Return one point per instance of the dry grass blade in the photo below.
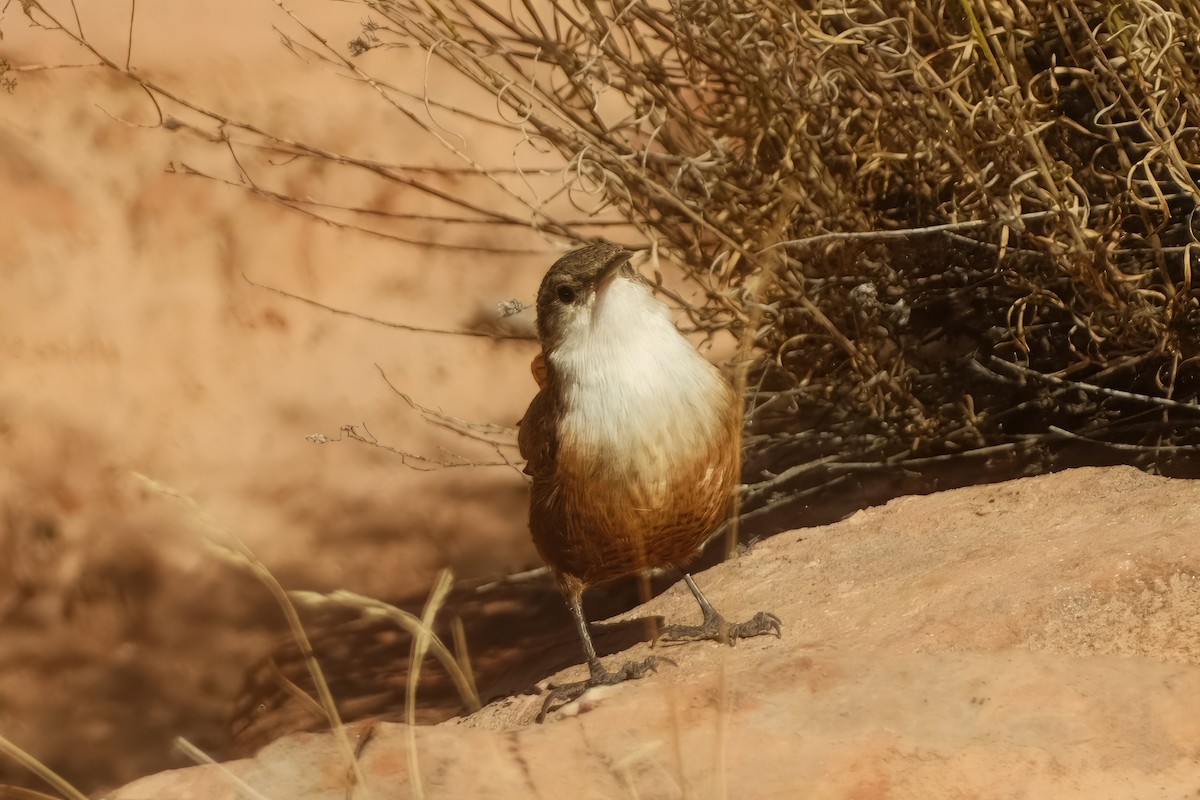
(424, 642)
(415, 626)
(420, 646)
(232, 550)
(462, 655)
(41, 770)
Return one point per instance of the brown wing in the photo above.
(538, 435)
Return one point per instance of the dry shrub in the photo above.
(950, 228)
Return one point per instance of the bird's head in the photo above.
(576, 287)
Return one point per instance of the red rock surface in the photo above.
(1038, 638)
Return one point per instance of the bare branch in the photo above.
(386, 323)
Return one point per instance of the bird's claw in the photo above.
(631, 670)
(761, 623)
(716, 628)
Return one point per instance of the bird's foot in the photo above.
(632, 670)
(716, 628)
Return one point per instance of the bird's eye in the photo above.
(566, 294)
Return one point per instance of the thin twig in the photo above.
(386, 323)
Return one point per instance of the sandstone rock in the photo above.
(1037, 638)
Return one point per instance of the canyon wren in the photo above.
(633, 444)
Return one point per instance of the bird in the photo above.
(633, 445)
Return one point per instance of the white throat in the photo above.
(632, 382)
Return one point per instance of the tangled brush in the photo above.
(950, 229)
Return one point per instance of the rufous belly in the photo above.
(599, 518)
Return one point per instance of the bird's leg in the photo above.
(567, 692)
(715, 627)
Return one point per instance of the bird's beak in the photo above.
(610, 271)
